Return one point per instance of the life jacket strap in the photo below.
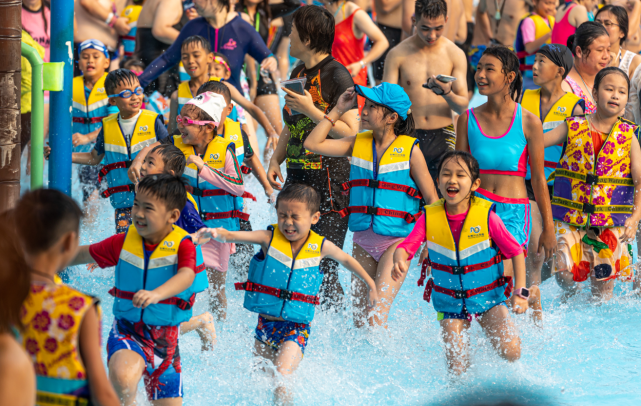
(87, 120)
(591, 179)
(181, 303)
(466, 294)
(377, 184)
(245, 169)
(377, 211)
(116, 165)
(590, 208)
(216, 192)
(117, 189)
(224, 215)
(426, 263)
(280, 293)
(56, 399)
(462, 270)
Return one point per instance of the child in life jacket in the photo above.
(552, 105)
(596, 204)
(90, 107)
(166, 158)
(131, 12)
(61, 324)
(534, 31)
(388, 178)
(197, 58)
(284, 277)
(120, 140)
(157, 268)
(467, 243)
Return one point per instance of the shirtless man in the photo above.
(503, 29)
(389, 14)
(455, 27)
(418, 60)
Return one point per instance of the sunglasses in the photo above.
(125, 94)
(188, 121)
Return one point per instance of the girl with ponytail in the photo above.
(502, 136)
(388, 178)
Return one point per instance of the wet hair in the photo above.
(224, 58)
(170, 190)
(300, 192)
(14, 276)
(132, 62)
(316, 25)
(610, 70)
(510, 63)
(401, 127)
(621, 15)
(465, 157)
(430, 9)
(198, 41)
(172, 157)
(216, 87)
(117, 77)
(585, 35)
(43, 217)
(262, 6)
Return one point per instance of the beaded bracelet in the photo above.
(330, 120)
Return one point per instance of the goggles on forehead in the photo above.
(188, 121)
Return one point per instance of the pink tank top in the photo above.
(563, 29)
(590, 108)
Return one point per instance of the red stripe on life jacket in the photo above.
(377, 211)
(117, 189)
(116, 165)
(281, 293)
(225, 215)
(181, 303)
(466, 294)
(377, 184)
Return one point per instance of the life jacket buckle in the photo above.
(460, 294)
(588, 208)
(285, 294)
(373, 183)
(197, 192)
(458, 270)
(591, 179)
(372, 211)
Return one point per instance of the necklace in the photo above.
(586, 86)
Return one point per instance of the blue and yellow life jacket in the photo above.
(541, 27)
(131, 12)
(88, 114)
(118, 156)
(217, 207)
(468, 273)
(382, 196)
(561, 110)
(135, 271)
(281, 285)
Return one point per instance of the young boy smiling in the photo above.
(149, 306)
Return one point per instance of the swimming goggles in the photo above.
(125, 94)
(188, 121)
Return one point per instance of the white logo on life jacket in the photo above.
(233, 137)
(128, 11)
(475, 230)
(144, 128)
(100, 90)
(214, 156)
(561, 109)
(168, 244)
(398, 150)
(312, 247)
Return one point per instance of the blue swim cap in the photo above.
(93, 44)
(389, 95)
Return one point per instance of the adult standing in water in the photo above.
(389, 14)
(311, 41)
(501, 136)
(615, 21)
(591, 48)
(419, 59)
(569, 17)
(227, 33)
(352, 25)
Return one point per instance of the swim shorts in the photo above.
(434, 144)
(123, 220)
(158, 346)
(595, 251)
(275, 333)
(393, 36)
(464, 315)
(530, 190)
(88, 177)
(515, 214)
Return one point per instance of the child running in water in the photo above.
(597, 204)
(388, 177)
(284, 278)
(61, 324)
(156, 264)
(467, 242)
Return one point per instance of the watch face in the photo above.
(525, 292)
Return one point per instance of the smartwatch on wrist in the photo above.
(523, 293)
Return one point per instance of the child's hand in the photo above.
(372, 296)
(401, 264)
(346, 101)
(80, 139)
(424, 254)
(272, 141)
(196, 160)
(47, 151)
(92, 266)
(631, 225)
(271, 195)
(209, 233)
(519, 305)
(144, 298)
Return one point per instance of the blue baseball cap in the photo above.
(389, 95)
(93, 44)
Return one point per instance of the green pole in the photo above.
(37, 115)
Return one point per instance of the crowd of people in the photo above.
(378, 138)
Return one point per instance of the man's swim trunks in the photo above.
(434, 144)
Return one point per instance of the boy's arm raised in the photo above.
(83, 256)
(260, 237)
(332, 251)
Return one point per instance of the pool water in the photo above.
(585, 354)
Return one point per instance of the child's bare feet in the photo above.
(204, 326)
(534, 301)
